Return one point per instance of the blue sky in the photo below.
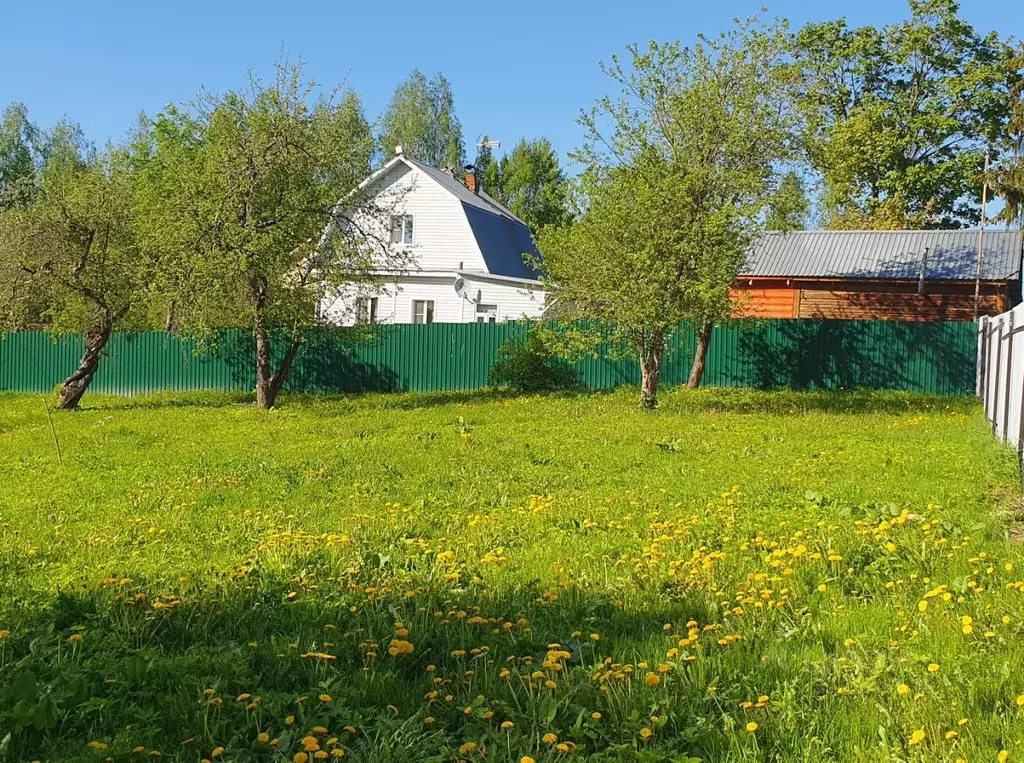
(517, 69)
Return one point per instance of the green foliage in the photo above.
(238, 191)
(530, 182)
(421, 119)
(897, 117)
(678, 169)
(19, 154)
(164, 559)
(71, 252)
(789, 208)
(1007, 177)
(530, 365)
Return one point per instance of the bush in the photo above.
(531, 366)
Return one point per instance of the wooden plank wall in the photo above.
(766, 303)
(894, 306)
(866, 301)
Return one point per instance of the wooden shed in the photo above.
(894, 275)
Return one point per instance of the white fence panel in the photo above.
(1001, 374)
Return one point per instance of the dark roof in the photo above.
(890, 255)
(502, 237)
(503, 241)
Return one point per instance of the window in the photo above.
(423, 311)
(366, 310)
(401, 229)
(486, 313)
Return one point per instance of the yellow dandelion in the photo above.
(652, 679)
(549, 738)
(646, 733)
(917, 737)
(310, 743)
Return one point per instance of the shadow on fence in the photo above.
(829, 354)
(936, 358)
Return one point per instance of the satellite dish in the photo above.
(460, 286)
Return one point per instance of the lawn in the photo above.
(736, 576)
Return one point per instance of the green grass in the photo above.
(730, 546)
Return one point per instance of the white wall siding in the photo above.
(395, 300)
(514, 301)
(442, 238)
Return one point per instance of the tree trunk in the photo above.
(284, 370)
(74, 386)
(650, 369)
(172, 317)
(268, 381)
(265, 395)
(700, 356)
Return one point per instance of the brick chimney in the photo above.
(470, 181)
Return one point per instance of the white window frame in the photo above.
(488, 315)
(402, 230)
(428, 311)
(367, 309)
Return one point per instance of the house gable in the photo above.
(501, 238)
(442, 238)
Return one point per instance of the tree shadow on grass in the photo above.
(182, 676)
(789, 402)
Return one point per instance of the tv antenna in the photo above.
(484, 141)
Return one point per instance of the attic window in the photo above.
(401, 229)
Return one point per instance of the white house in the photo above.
(463, 254)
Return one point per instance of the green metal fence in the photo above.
(937, 358)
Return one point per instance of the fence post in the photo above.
(979, 367)
(1020, 428)
(1009, 380)
(999, 360)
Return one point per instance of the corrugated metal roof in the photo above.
(502, 237)
(951, 255)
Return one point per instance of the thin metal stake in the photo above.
(53, 431)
